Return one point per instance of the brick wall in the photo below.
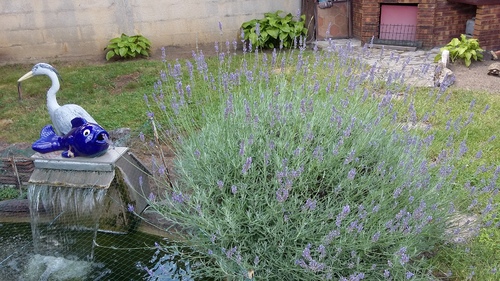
(452, 19)
(438, 21)
(487, 26)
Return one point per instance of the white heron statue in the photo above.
(61, 116)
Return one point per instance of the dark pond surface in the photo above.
(110, 257)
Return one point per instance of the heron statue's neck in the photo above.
(52, 104)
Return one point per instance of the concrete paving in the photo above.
(391, 62)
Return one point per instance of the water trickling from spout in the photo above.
(60, 212)
(108, 141)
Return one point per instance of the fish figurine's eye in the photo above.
(86, 132)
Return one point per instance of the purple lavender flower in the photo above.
(163, 55)
(178, 197)
(130, 208)
(220, 184)
(331, 235)
(376, 236)
(151, 197)
(350, 157)
(351, 174)
(397, 192)
(306, 253)
(345, 211)
(188, 91)
(353, 225)
(234, 189)
(310, 205)
(231, 252)
(248, 114)
(247, 165)
(256, 261)
(409, 275)
(281, 194)
(301, 263)
(141, 182)
(486, 109)
(463, 148)
(242, 148)
(315, 266)
(318, 153)
(235, 45)
(141, 136)
(216, 47)
(404, 258)
(322, 251)
(190, 68)
(175, 106)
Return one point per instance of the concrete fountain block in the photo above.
(118, 172)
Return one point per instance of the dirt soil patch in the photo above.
(124, 82)
(475, 77)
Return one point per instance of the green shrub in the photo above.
(128, 47)
(273, 30)
(9, 193)
(464, 49)
(290, 180)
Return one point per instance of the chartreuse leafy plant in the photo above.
(127, 47)
(273, 30)
(466, 49)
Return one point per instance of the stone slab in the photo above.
(394, 47)
(54, 160)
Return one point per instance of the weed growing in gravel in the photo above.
(300, 165)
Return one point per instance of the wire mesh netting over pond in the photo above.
(81, 222)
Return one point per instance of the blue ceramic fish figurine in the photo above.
(84, 139)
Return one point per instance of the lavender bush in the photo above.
(293, 166)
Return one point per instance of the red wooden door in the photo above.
(333, 22)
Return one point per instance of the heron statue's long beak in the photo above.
(25, 76)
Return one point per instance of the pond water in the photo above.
(110, 256)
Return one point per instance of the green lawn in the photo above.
(113, 93)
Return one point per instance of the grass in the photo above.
(114, 94)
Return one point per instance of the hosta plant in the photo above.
(127, 47)
(464, 48)
(273, 30)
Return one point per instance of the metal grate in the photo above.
(394, 34)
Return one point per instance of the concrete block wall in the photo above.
(34, 30)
